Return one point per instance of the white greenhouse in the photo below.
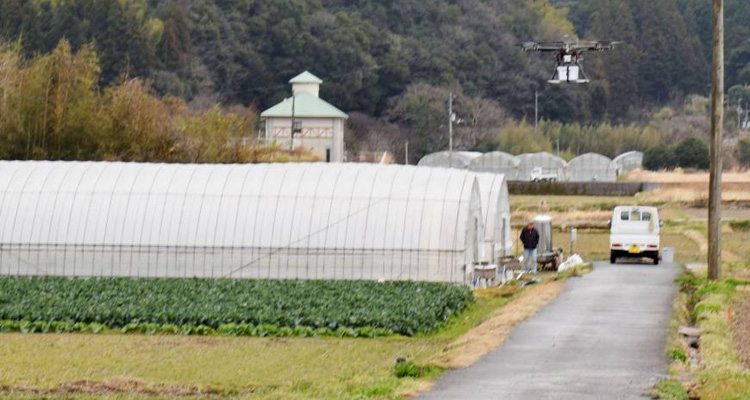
(288, 221)
(497, 162)
(447, 159)
(592, 167)
(498, 239)
(545, 163)
(629, 161)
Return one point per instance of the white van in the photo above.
(634, 232)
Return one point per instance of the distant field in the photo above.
(692, 187)
(739, 243)
(593, 246)
(594, 211)
(683, 177)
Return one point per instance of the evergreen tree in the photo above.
(671, 63)
(176, 46)
(614, 21)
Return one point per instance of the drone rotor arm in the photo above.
(543, 47)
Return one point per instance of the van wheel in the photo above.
(612, 257)
(656, 259)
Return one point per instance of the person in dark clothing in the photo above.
(530, 240)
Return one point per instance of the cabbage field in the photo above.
(225, 306)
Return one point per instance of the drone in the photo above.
(569, 55)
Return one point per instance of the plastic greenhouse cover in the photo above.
(445, 159)
(629, 161)
(497, 162)
(592, 167)
(550, 164)
(251, 220)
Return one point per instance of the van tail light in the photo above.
(652, 246)
(616, 245)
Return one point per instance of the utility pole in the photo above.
(450, 130)
(536, 109)
(291, 131)
(717, 125)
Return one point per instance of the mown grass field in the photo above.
(254, 368)
(120, 366)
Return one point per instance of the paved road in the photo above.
(602, 339)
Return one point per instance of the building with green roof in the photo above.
(319, 126)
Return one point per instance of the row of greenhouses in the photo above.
(590, 167)
(278, 221)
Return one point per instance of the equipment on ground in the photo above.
(568, 57)
(547, 257)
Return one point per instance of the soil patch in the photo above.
(114, 386)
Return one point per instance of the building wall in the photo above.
(319, 135)
(312, 88)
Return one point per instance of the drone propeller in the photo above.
(567, 46)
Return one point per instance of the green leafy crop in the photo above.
(231, 307)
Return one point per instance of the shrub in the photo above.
(743, 152)
(658, 158)
(743, 226)
(692, 153)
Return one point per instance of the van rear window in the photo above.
(635, 215)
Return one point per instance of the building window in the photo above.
(262, 129)
(297, 126)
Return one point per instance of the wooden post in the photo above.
(717, 125)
